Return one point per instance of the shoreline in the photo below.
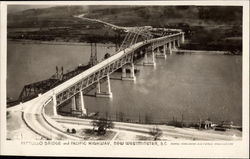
(215, 52)
(169, 132)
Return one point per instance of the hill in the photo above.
(213, 27)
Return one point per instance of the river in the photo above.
(189, 86)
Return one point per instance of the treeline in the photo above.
(218, 14)
(63, 15)
(221, 13)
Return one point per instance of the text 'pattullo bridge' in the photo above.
(131, 49)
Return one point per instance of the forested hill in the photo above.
(162, 15)
(44, 17)
(153, 15)
(206, 27)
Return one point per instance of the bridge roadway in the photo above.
(100, 21)
(33, 110)
(132, 29)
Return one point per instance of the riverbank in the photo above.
(168, 131)
(17, 130)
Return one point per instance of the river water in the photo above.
(190, 86)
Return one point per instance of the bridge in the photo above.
(123, 59)
(33, 112)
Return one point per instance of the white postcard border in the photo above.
(229, 149)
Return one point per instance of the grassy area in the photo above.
(147, 138)
(90, 134)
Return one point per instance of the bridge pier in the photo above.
(147, 62)
(182, 37)
(107, 94)
(131, 76)
(54, 105)
(78, 108)
(158, 50)
(82, 105)
(178, 43)
(98, 87)
(174, 47)
(73, 104)
(162, 54)
(170, 48)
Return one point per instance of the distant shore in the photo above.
(52, 42)
(180, 51)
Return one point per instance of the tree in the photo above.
(156, 133)
(73, 131)
(107, 55)
(102, 125)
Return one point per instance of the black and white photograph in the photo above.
(124, 74)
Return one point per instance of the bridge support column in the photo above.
(174, 47)
(132, 71)
(109, 87)
(82, 105)
(170, 48)
(178, 43)
(147, 62)
(54, 105)
(124, 74)
(73, 105)
(162, 54)
(164, 51)
(182, 37)
(98, 87)
(107, 94)
(131, 76)
(145, 58)
(158, 50)
(153, 57)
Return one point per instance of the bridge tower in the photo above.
(93, 56)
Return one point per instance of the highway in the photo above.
(144, 129)
(37, 121)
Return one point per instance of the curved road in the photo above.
(144, 129)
